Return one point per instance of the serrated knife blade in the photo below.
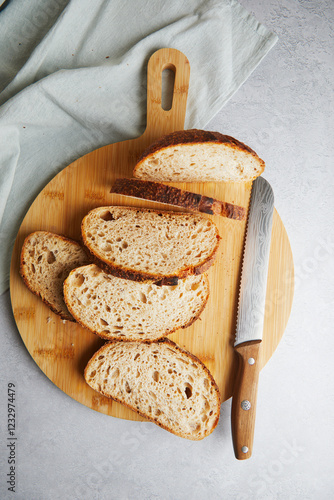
(250, 318)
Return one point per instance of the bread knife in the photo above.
(250, 318)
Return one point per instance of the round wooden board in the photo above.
(62, 349)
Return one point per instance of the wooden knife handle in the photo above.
(244, 398)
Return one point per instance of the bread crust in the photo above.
(142, 277)
(135, 339)
(195, 136)
(50, 306)
(152, 419)
(162, 193)
(25, 278)
(170, 280)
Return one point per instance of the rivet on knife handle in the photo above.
(244, 398)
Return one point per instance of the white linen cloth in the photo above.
(73, 78)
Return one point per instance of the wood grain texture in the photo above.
(244, 398)
(62, 349)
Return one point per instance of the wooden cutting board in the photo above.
(61, 349)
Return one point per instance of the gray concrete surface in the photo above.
(67, 451)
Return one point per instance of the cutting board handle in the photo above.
(159, 120)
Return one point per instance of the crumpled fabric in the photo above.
(73, 79)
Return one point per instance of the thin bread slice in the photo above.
(198, 156)
(161, 382)
(149, 245)
(46, 260)
(162, 193)
(119, 309)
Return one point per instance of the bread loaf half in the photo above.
(46, 260)
(115, 308)
(148, 245)
(161, 382)
(198, 156)
(162, 193)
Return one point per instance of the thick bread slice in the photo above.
(161, 193)
(150, 245)
(161, 382)
(115, 308)
(46, 260)
(198, 156)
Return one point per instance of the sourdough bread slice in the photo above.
(161, 382)
(46, 260)
(162, 193)
(198, 156)
(114, 308)
(150, 245)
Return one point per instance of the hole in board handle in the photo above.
(167, 86)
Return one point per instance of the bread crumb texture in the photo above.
(115, 308)
(160, 381)
(156, 244)
(46, 260)
(198, 156)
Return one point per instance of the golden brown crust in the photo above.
(142, 277)
(170, 280)
(162, 193)
(126, 274)
(194, 136)
(178, 348)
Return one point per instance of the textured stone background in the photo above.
(66, 451)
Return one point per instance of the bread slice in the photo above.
(161, 382)
(46, 260)
(198, 156)
(149, 245)
(162, 193)
(115, 308)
